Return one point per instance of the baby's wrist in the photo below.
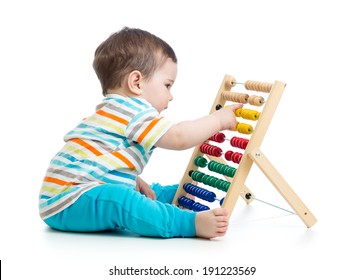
(217, 121)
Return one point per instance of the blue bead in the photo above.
(221, 201)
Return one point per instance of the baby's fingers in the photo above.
(235, 106)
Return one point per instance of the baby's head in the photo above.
(128, 50)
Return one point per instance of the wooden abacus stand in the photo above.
(253, 153)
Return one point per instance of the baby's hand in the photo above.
(227, 117)
(144, 188)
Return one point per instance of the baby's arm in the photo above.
(188, 134)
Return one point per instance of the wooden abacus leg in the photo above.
(282, 186)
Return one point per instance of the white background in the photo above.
(47, 85)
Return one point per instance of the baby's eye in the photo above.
(168, 86)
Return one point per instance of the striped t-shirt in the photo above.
(111, 146)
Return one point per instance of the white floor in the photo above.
(278, 245)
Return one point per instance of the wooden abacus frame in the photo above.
(253, 153)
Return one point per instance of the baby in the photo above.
(93, 183)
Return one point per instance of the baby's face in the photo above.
(157, 90)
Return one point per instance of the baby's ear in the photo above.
(134, 80)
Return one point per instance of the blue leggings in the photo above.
(116, 206)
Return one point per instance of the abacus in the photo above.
(210, 156)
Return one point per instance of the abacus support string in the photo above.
(270, 204)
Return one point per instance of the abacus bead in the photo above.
(256, 100)
(244, 128)
(238, 112)
(196, 175)
(220, 168)
(211, 197)
(213, 181)
(191, 205)
(245, 143)
(250, 114)
(200, 207)
(246, 98)
(219, 184)
(217, 152)
(222, 201)
(205, 178)
(228, 155)
(200, 161)
(220, 137)
(210, 180)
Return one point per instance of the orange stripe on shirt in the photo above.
(149, 128)
(111, 116)
(57, 181)
(61, 182)
(87, 146)
(124, 159)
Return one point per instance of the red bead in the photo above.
(228, 155)
(210, 150)
(236, 157)
(239, 142)
(218, 137)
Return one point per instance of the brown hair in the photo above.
(127, 50)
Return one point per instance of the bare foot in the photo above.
(212, 223)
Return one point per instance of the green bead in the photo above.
(200, 161)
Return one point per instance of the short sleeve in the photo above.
(147, 127)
